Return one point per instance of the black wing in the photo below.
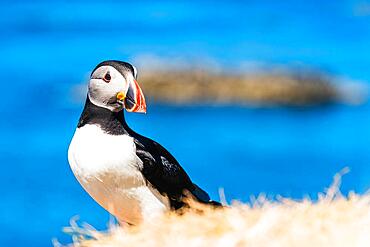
(163, 171)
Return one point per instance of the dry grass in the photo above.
(333, 220)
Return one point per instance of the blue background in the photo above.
(47, 49)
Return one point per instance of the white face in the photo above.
(105, 83)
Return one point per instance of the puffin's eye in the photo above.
(107, 77)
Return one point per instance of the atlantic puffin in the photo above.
(131, 176)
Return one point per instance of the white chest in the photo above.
(93, 152)
(109, 170)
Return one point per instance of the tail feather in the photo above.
(200, 194)
(203, 197)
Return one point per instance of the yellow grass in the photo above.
(333, 220)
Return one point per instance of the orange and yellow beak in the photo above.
(134, 98)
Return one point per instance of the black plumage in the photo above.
(160, 168)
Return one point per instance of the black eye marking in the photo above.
(107, 77)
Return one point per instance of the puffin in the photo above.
(131, 176)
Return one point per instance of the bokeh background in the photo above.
(48, 48)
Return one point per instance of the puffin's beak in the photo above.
(134, 98)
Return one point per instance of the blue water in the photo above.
(49, 47)
(292, 152)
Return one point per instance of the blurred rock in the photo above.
(268, 89)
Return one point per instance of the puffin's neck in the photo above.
(113, 123)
